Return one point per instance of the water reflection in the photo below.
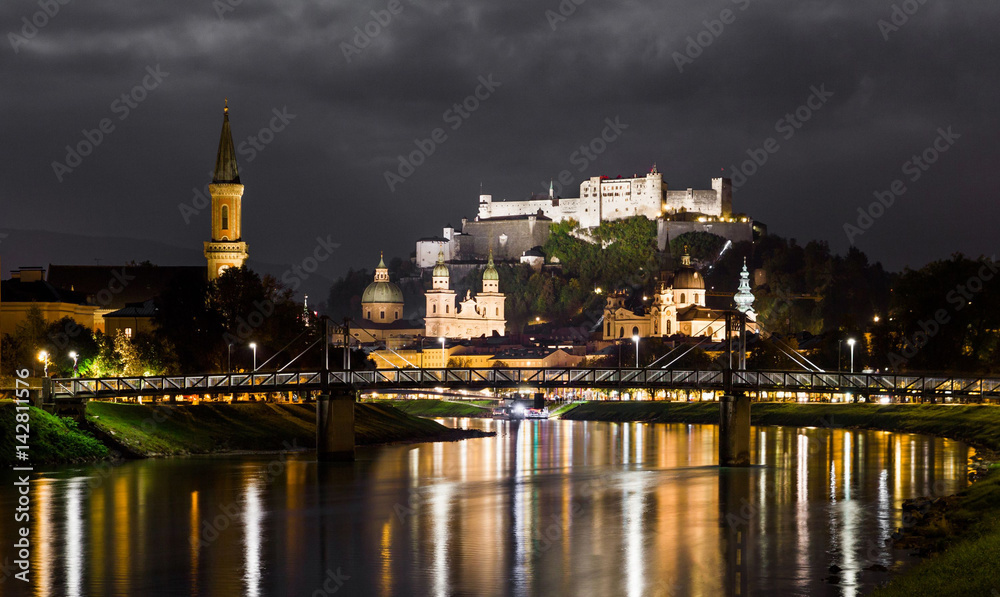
(545, 507)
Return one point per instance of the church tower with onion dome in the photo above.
(226, 249)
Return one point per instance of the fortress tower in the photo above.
(226, 249)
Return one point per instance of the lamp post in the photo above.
(229, 358)
(635, 339)
(253, 347)
(443, 363)
(840, 351)
(850, 342)
(73, 355)
(44, 358)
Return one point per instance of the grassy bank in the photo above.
(206, 428)
(51, 440)
(973, 424)
(441, 408)
(965, 529)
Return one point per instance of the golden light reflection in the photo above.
(74, 537)
(45, 551)
(253, 538)
(195, 542)
(385, 552)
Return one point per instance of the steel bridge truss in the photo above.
(389, 380)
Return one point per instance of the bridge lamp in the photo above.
(850, 342)
(635, 339)
(253, 347)
(443, 362)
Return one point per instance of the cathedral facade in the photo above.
(482, 315)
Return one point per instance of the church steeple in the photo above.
(226, 249)
(225, 161)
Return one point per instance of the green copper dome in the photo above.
(440, 270)
(491, 272)
(382, 290)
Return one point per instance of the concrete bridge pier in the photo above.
(335, 426)
(734, 430)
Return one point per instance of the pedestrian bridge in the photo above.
(408, 380)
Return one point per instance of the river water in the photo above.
(543, 508)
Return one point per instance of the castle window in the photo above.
(225, 217)
(381, 314)
(609, 328)
(447, 308)
(498, 311)
(434, 309)
(369, 314)
(682, 297)
(396, 315)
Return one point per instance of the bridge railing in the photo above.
(513, 377)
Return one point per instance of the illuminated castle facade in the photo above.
(226, 249)
(602, 199)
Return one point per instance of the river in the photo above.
(543, 508)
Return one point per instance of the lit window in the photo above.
(128, 332)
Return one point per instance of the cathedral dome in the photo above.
(686, 276)
(382, 290)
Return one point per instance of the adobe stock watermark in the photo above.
(250, 148)
(122, 107)
(898, 17)
(364, 34)
(959, 297)
(583, 156)
(566, 9)
(787, 126)
(914, 169)
(455, 117)
(713, 29)
(48, 9)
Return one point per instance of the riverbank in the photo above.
(141, 431)
(442, 408)
(962, 532)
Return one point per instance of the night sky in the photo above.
(694, 107)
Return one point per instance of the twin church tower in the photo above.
(226, 249)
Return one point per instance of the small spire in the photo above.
(686, 257)
(381, 261)
(552, 192)
(489, 260)
(225, 160)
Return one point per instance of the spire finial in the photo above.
(225, 109)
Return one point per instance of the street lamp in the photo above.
(229, 358)
(635, 339)
(850, 342)
(253, 347)
(73, 355)
(44, 358)
(443, 363)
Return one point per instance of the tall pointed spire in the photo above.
(225, 160)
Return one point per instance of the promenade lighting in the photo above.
(635, 339)
(253, 347)
(850, 342)
(73, 355)
(443, 362)
(43, 356)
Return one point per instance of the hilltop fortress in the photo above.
(602, 199)
(515, 230)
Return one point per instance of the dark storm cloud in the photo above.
(354, 115)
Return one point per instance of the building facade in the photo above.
(470, 318)
(226, 249)
(678, 308)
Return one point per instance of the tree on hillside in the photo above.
(702, 246)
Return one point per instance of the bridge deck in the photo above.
(384, 380)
